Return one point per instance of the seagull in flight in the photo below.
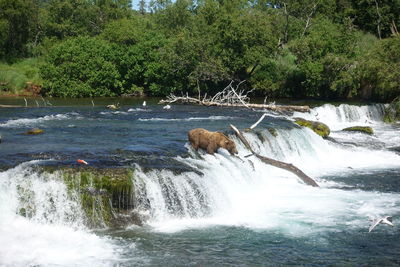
(386, 219)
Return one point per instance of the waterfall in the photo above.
(221, 190)
(344, 115)
(41, 223)
(244, 191)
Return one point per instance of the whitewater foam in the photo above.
(139, 110)
(344, 115)
(52, 231)
(211, 118)
(114, 113)
(245, 192)
(39, 121)
(261, 198)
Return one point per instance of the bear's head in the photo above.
(230, 146)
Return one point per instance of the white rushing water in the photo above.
(222, 190)
(52, 233)
(211, 118)
(246, 192)
(344, 115)
(40, 120)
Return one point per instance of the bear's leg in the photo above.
(195, 145)
(211, 148)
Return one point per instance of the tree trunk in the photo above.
(279, 164)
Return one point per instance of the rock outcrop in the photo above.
(318, 127)
(35, 131)
(361, 129)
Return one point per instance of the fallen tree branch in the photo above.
(204, 102)
(259, 120)
(279, 164)
(231, 97)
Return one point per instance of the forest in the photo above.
(309, 49)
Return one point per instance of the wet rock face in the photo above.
(361, 129)
(318, 127)
(107, 195)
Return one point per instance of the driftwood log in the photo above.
(279, 164)
(231, 97)
(195, 101)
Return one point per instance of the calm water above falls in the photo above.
(217, 210)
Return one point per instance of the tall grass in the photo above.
(14, 77)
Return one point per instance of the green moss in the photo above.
(105, 193)
(34, 131)
(318, 127)
(362, 129)
(273, 132)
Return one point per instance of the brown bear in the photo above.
(210, 141)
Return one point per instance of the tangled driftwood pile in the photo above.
(231, 96)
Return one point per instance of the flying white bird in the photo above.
(144, 103)
(386, 219)
(167, 107)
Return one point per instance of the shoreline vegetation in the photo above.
(326, 50)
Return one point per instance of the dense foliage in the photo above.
(326, 49)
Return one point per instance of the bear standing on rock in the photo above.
(210, 141)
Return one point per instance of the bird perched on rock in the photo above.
(386, 220)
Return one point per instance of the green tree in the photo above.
(142, 7)
(17, 26)
(326, 50)
(376, 16)
(379, 70)
(82, 66)
(63, 19)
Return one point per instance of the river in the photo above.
(215, 210)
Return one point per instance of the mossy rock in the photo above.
(260, 136)
(318, 127)
(361, 129)
(106, 194)
(273, 132)
(35, 131)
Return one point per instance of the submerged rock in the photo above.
(273, 132)
(260, 136)
(35, 131)
(392, 111)
(318, 127)
(361, 129)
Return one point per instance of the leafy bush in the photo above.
(379, 70)
(14, 78)
(82, 66)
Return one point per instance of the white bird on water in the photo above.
(386, 219)
(167, 107)
(144, 103)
